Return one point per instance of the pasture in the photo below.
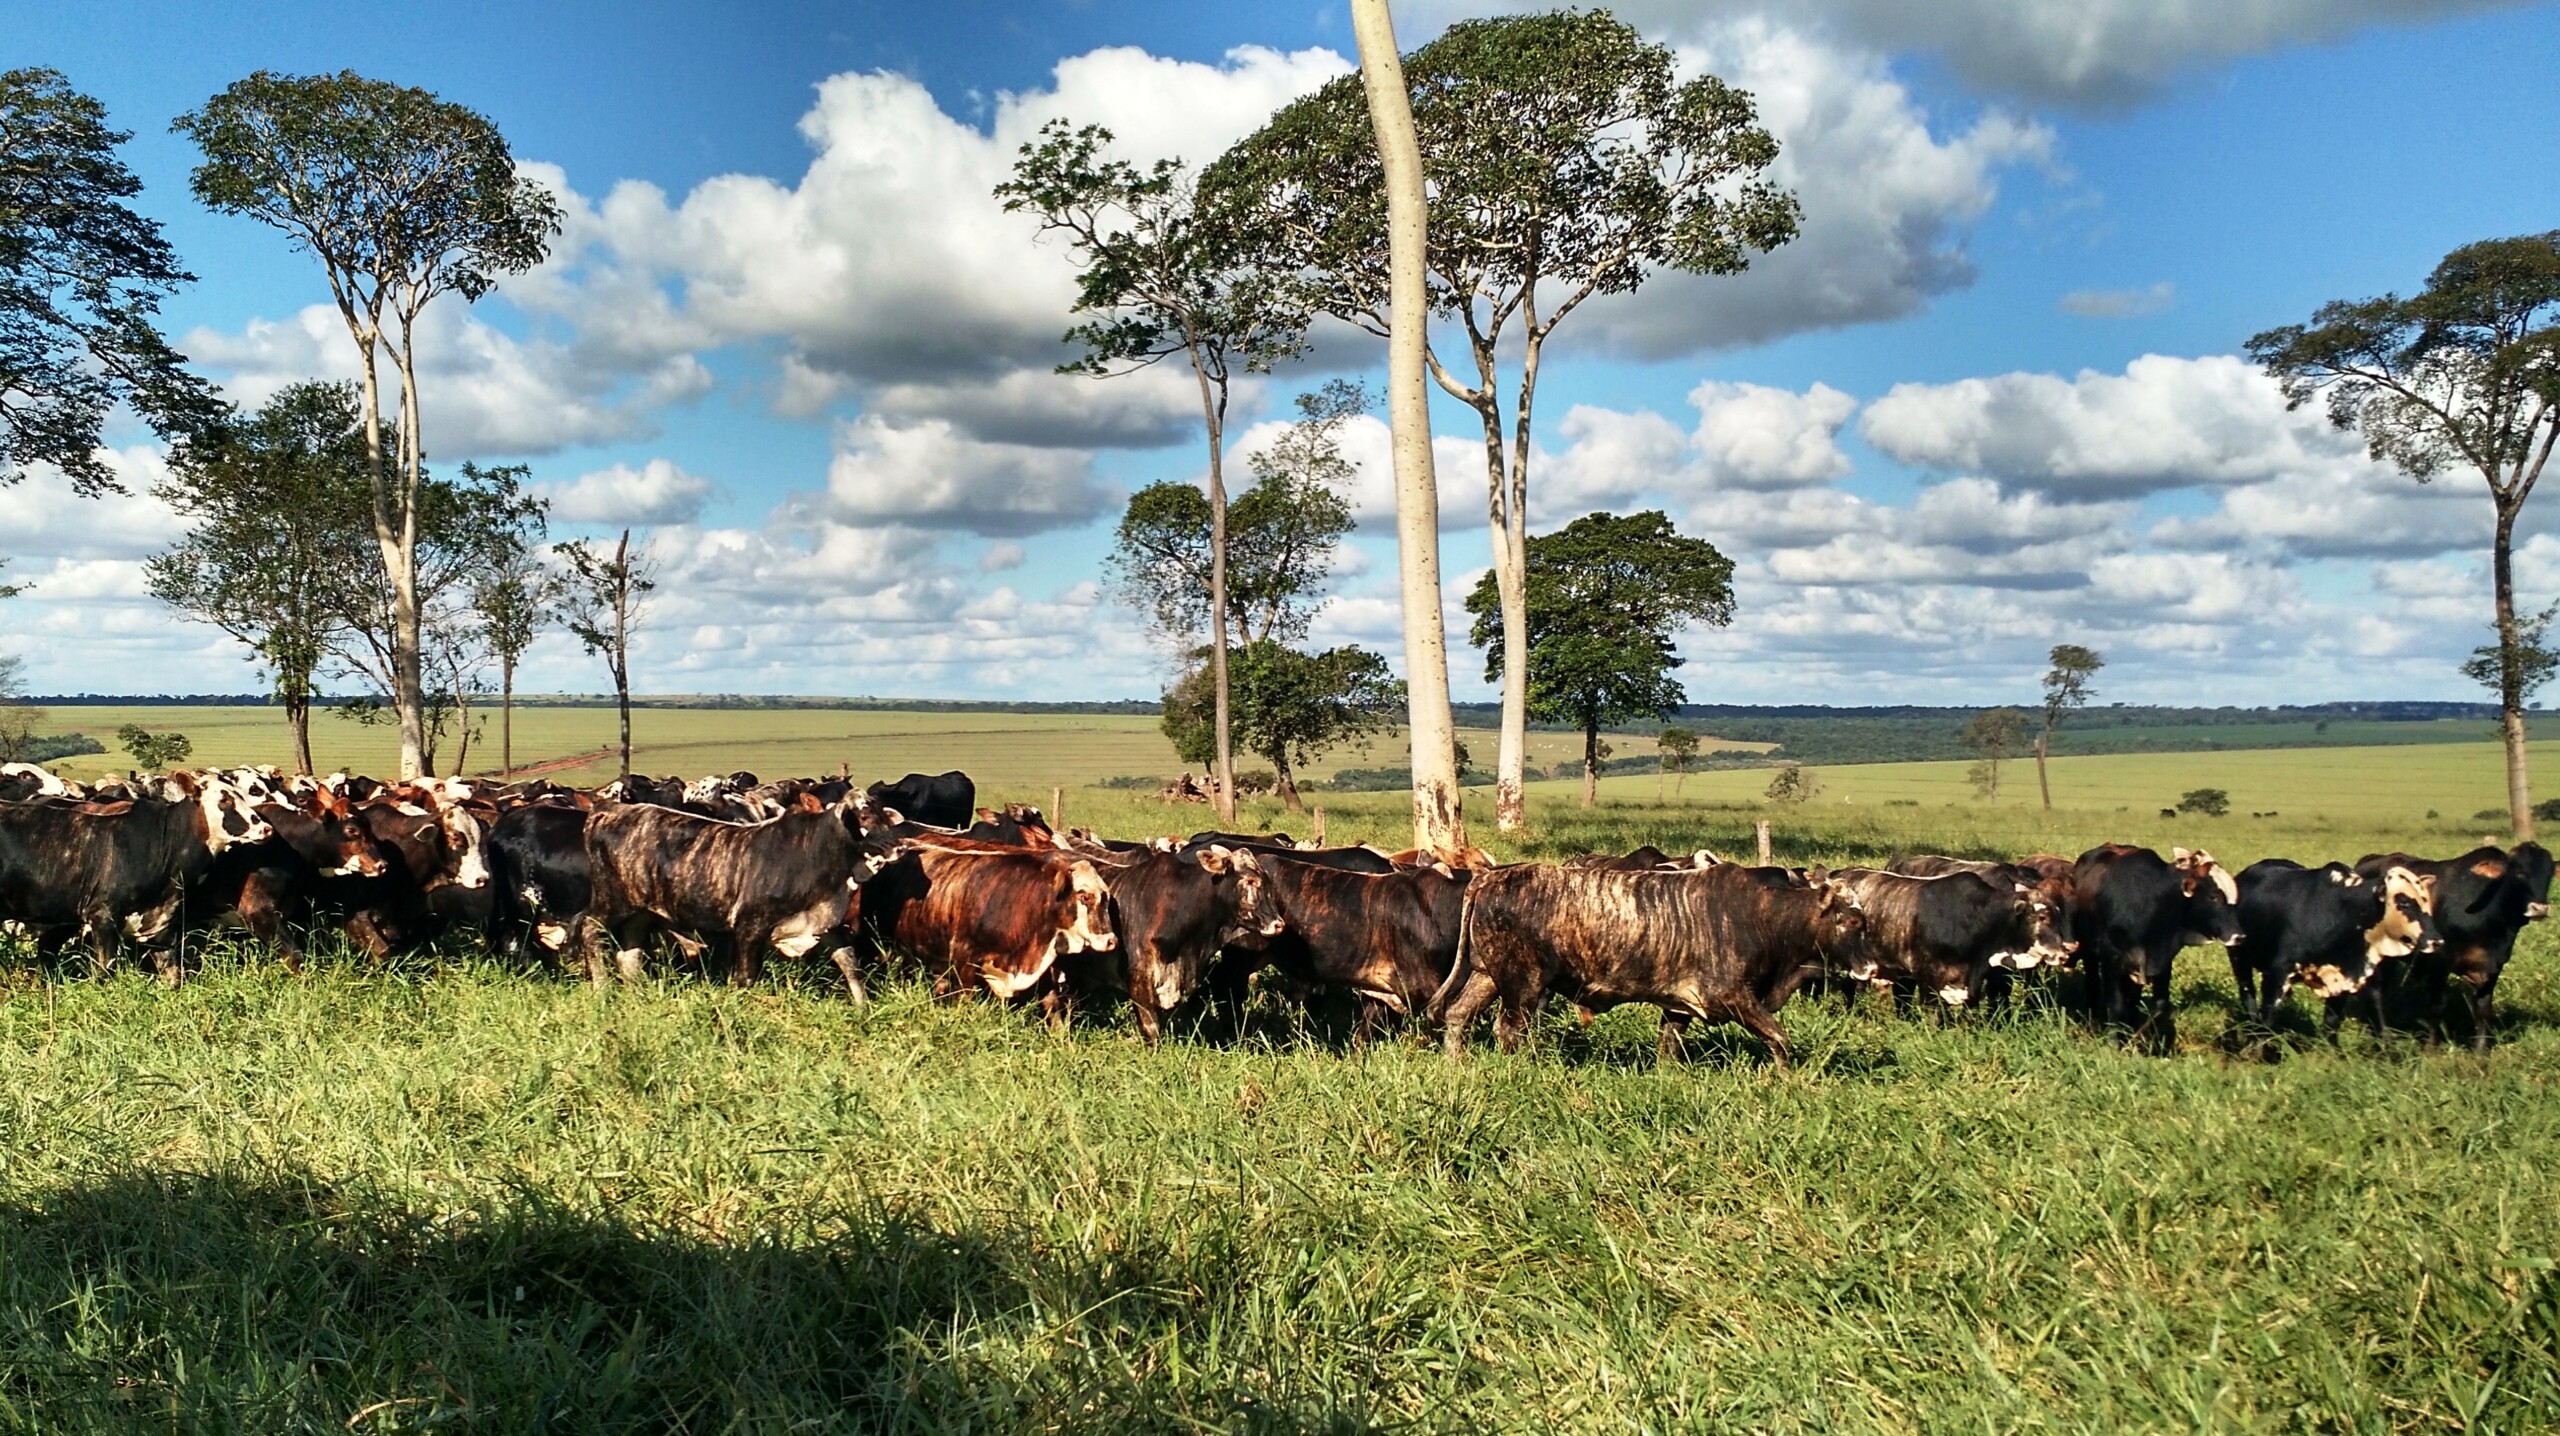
(447, 1193)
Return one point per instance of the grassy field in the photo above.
(447, 1194)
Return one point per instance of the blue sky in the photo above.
(1986, 404)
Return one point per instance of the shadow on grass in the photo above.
(276, 1303)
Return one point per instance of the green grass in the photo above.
(446, 1194)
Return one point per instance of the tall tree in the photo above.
(606, 599)
(1290, 707)
(276, 515)
(81, 280)
(1161, 280)
(1608, 595)
(1677, 748)
(18, 719)
(1439, 822)
(1283, 535)
(402, 197)
(2463, 375)
(1565, 160)
(516, 598)
(1995, 734)
(2066, 690)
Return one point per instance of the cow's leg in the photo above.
(1512, 1019)
(592, 936)
(2483, 994)
(2432, 984)
(2161, 1023)
(842, 952)
(1675, 1027)
(1750, 1014)
(264, 900)
(746, 959)
(1374, 1017)
(106, 938)
(1469, 1000)
(2244, 980)
(1150, 1021)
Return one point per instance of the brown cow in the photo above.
(988, 915)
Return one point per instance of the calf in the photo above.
(2135, 913)
(1945, 934)
(120, 869)
(1717, 944)
(1171, 912)
(2330, 925)
(2483, 899)
(1388, 938)
(788, 885)
(983, 915)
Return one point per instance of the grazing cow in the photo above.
(265, 886)
(1717, 944)
(1172, 912)
(2049, 876)
(2134, 914)
(2483, 899)
(788, 884)
(119, 869)
(1945, 934)
(985, 915)
(949, 800)
(1387, 938)
(539, 877)
(2331, 926)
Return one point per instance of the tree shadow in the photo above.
(278, 1303)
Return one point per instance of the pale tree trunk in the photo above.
(1285, 783)
(297, 720)
(622, 644)
(1439, 824)
(389, 526)
(408, 644)
(1511, 586)
(2511, 676)
(507, 717)
(2043, 783)
(1591, 765)
(1213, 407)
(462, 717)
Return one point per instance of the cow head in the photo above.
(1256, 915)
(2530, 866)
(1840, 926)
(2407, 924)
(230, 817)
(2213, 898)
(1086, 921)
(2041, 924)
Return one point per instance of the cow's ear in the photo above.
(808, 803)
(2178, 856)
(2337, 875)
(1817, 875)
(1213, 859)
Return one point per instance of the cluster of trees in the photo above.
(319, 536)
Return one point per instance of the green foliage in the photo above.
(1560, 147)
(2546, 811)
(2530, 658)
(1794, 783)
(2067, 683)
(1607, 595)
(41, 748)
(154, 752)
(81, 279)
(2210, 802)
(1286, 707)
(1132, 783)
(1996, 734)
(1283, 533)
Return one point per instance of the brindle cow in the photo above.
(983, 915)
(119, 869)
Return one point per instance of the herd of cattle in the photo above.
(729, 870)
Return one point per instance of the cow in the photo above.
(1945, 934)
(539, 877)
(120, 869)
(788, 884)
(1344, 860)
(435, 870)
(1387, 938)
(2050, 877)
(948, 800)
(2134, 913)
(1172, 912)
(2483, 899)
(1639, 860)
(982, 915)
(2331, 926)
(21, 781)
(265, 886)
(1716, 944)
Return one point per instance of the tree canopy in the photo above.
(1608, 595)
(1290, 708)
(81, 280)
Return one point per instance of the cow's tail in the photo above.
(1461, 966)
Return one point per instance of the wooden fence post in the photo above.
(1764, 842)
(1319, 825)
(1057, 807)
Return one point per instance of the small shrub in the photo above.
(2491, 815)
(2546, 811)
(154, 752)
(2210, 802)
(1251, 781)
(1794, 784)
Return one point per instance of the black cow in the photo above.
(2483, 900)
(1172, 912)
(2330, 925)
(1944, 935)
(266, 886)
(2134, 914)
(120, 869)
(788, 885)
(948, 800)
(1341, 860)
(1715, 943)
(539, 879)
(1387, 938)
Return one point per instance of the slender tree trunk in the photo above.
(506, 717)
(1591, 764)
(1439, 824)
(408, 642)
(1213, 405)
(1285, 783)
(2511, 675)
(462, 720)
(622, 644)
(1511, 547)
(2043, 783)
(297, 721)
(388, 526)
